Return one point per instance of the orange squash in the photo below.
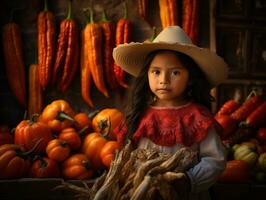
(106, 120)
(44, 168)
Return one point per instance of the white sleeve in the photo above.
(212, 163)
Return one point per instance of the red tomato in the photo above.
(229, 125)
(236, 171)
(44, 168)
(261, 135)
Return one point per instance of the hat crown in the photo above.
(173, 34)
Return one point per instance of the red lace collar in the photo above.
(167, 126)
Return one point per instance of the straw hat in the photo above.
(131, 56)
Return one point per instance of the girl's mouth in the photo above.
(163, 90)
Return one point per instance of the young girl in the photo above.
(170, 101)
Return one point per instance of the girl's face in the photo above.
(168, 79)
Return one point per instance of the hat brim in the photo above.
(131, 56)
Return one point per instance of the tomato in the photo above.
(44, 168)
(77, 166)
(108, 152)
(92, 146)
(57, 150)
(107, 120)
(236, 171)
(71, 137)
(82, 120)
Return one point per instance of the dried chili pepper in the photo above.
(46, 45)
(84, 67)
(123, 35)
(257, 117)
(93, 33)
(108, 45)
(35, 104)
(142, 8)
(190, 18)
(168, 12)
(14, 63)
(66, 62)
(247, 107)
(228, 107)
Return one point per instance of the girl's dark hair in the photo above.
(140, 94)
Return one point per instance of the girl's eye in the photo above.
(156, 72)
(176, 72)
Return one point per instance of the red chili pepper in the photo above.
(258, 116)
(108, 45)
(123, 29)
(246, 108)
(228, 107)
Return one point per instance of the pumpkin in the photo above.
(5, 136)
(28, 132)
(82, 120)
(92, 146)
(44, 168)
(262, 162)
(77, 166)
(14, 161)
(236, 171)
(108, 152)
(247, 154)
(57, 150)
(106, 121)
(58, 115)
(71, 136)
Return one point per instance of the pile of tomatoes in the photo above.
(60, 143)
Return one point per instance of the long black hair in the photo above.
(140, 95)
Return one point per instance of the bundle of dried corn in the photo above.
(139, 174)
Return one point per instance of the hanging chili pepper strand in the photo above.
(142, 8)
(46, 45)
(35, 104)
(14, 63)
(190, 18)
(66, 62)
(84, 65)
(123, 34)
(168, 12)
(93, 33)
(108, 45)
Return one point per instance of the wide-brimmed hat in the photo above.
(131, 56)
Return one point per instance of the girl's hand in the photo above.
(180, 182)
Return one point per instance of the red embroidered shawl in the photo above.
(166, 126)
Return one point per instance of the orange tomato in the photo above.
(71, 136)
(77, 167)
(106, 121)
(57, 150)
(92, 146)
(108, 152)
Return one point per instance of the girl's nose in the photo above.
(164, 78)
